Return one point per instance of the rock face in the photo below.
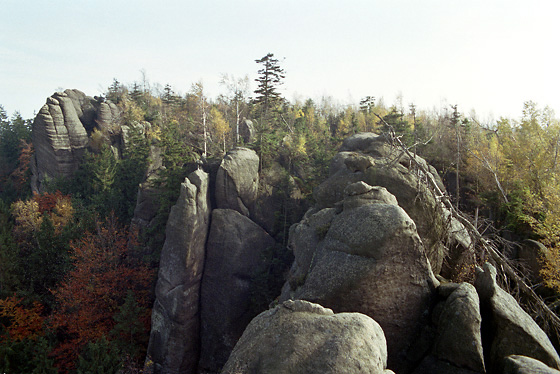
(60, 132)
(237, 181)
(246, 131)
(302, 337)
(459, 336)
(235, 255)
(370, 158)
(366, 258)
(174, 339)
(525, 365)
(513, 331)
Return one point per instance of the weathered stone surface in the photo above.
(526, 365)
(60, 133)
(514, 331)
(236, 251)
(174, 342)
(371, 261)
(370, 158)
(237, 181)
(459, 338)
(302, 337)
(246, 131)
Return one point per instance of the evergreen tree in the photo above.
(270, 77)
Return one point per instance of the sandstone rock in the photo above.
(526, 365)
(236, 251)
(237, 181)
(370, 158)
(514, 332)
(371, 261)
(174, 342)
(60, 133)
(459, 338)
(246, 131)
(302, 337)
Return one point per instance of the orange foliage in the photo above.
(58, 206)
(92, 292)
(25, 323)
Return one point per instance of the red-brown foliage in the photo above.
(24, 323)
(92, 292)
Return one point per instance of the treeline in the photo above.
(75, 289)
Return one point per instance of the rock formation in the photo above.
(301, 337)
(516, 364)
(61, 129)
(513, 331)
(237, 181)
(235, 255)
(174, 339)
(372, 159)
(368, 250)
(370, 260)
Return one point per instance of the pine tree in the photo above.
(270, 77)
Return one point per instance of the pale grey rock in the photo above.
(236, 253)
(60, 133)
(370, 261)
(302, 337)
(237, 181)
(370, 158)
(459, 338)
(514, 331)
(526, 365)
(174, 338)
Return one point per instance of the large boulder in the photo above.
(459, 338)
(526, 365)
(236, 253)
(174, 339)
(370, 158)
(302, 337)
(365, 257)
(237, 181)
(513, 331)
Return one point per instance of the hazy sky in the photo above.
(487, 55)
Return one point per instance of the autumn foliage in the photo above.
(90, 297)
(21, 322)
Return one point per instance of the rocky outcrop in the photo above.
(237, 181)
(459, 338)
(302, 337)
(174, 339)
(513, 331)
(246, 131)
(370, 158)
(236, 253)
(366, 257)
(526, 365)
(60, 132)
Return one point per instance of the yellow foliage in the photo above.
(27, 216)
(219, 125)
(62, 213)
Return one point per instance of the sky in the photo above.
(486, 56)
